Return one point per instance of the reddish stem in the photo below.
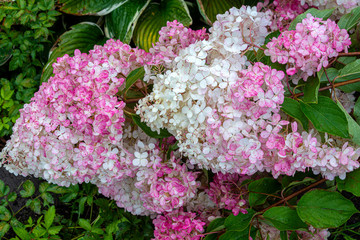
(295, 194)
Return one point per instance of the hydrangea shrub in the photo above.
(221, 96)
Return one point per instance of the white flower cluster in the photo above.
(186, 100)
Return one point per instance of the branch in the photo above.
(349, 54)
(335, 85)
(295, 194)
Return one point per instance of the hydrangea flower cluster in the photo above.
(199, 110)
(296, 152)
(308, 48)
(226, 191)
(237, 29)
(172, 39)
(341, 7)
(225, 112)
(282, 12)
(73, 126)
(178, 225)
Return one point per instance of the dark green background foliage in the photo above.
(76, 212)
(25, 38)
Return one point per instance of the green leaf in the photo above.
(292, 108)
(6, 92)
(351, 183)
(357, 110)
(4, 228)
(163, 132)
(35, 205)
(216, 225)
(324, 209)
(54, 230)
(350, 20)
(324, 14)
(84, 223)
(210, 8)
(89, 7)
(39, 231)
(97, 231)
(68, 197)
(133, 77)
(326, 116)
(19, 229)
(354, 128)
(82, 36)
(284, 235)
(284, 218)
(332, 73)
(4, 56)
(5, 214)
(311, 90)
(239, 222)
(239, 235)
(155, 16)
(48, 198)
(12, 197)
(49, 217)
(82, 205)
(121, 22)
(259, 189)
(4, 189)
(29, 189)
(272, 35)
(349, 72)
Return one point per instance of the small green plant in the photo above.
(24, 42)
(76, 212)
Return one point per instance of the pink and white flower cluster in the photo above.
(282, 12)
(74, 124)
(224, 111)
(178, 225)
(308, 48)
(226, 191)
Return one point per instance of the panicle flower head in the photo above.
(291, 152)
(166, 186)
(178, 224)
(226, 191)
(282, 12)
(237, 29)
(74, 123)
(308, 48)
(173, 38)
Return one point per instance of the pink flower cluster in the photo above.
(308, 48)
(178, 225)
(226, 191)
(74, 123)
(236, 129)
(173, 38)
(167, 186)
(296, 152)
(283, 12)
